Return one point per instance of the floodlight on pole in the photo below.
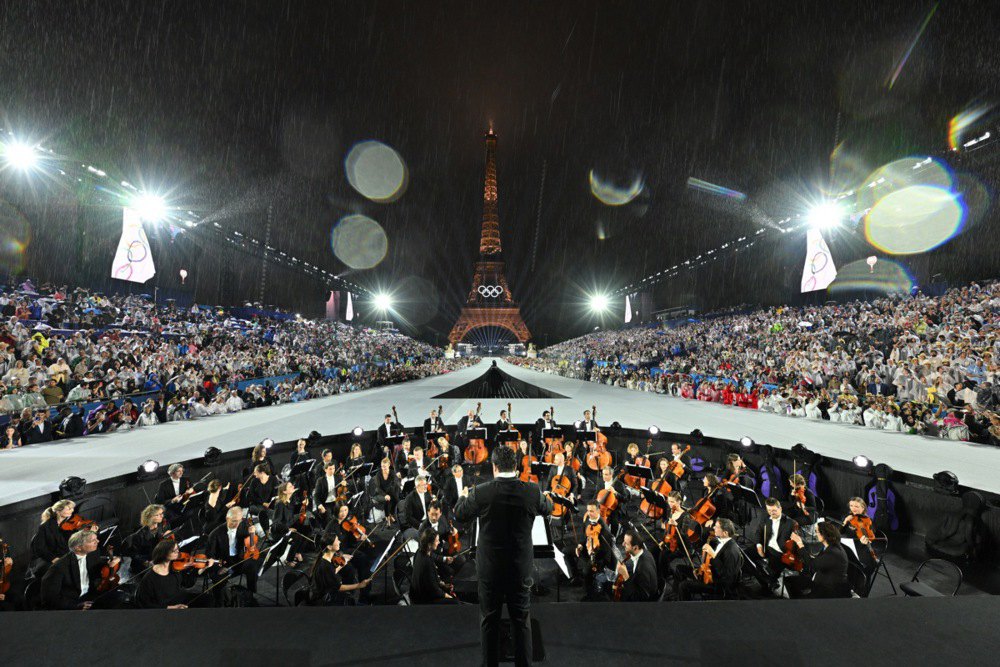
(599, 303)
(383, 301)
(20, 156)
(826, 215)
(150, 207)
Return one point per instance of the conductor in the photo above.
(506, 508)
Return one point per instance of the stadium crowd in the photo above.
(914, 364)
(61, 350)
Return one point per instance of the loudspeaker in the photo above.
(507, 642)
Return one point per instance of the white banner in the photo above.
(819, 270)
(133, 259)
(628, 310)
(349, 315)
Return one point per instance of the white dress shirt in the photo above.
(177, 486)
(773, 542)
(331, 486)
(232, 541)
(81, 562)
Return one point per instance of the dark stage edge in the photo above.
(919, 631)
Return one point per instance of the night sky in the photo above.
(232, 106)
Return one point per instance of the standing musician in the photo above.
(383, 492)
(771, 537)
(162, 587)
(71, 582)
(862, 544)
(226, 544)
(333, 577)
(825, 575)
(415, 505)
(593, 552)
(544, 423)
(433, 424)
(638, 571)
(676, 526)
(426, 583)
(725, 566)
(171, 492)
(452, 487)
(503, 424)
(559, 468)
(506, 508)
(448, 565)
(387, 429)
(470, 421)
(325, 492)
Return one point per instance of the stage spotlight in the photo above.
(599, 303)
(654, 430)
(267, 442)
(213, 457)
(746, 441)
(150, 207)
(22, 157)
(358, 431)
(148, 470)
(71, 488)
(862, 461)
(947, 481)
(825, 216)
(383, 301)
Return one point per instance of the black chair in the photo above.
(916, 588)
(858, 578)
(33, 595)
(292, 583)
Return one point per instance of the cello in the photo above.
(675, 466)
(572, 460)
(475, 451)
(661, 486)
(561, 485)
(640, 460)
(5, 567)
(526, 460)
(553, 445)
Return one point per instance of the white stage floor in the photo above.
(37, 469)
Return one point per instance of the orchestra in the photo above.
(669, 534)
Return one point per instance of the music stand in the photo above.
(503, 437)
(541, 469)
(552, 433)
(645, 472)
(434, 435)
(476, 433)
(654, 497)
(301, 468)
(587, 436)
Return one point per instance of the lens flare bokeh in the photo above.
(614, 194)
(359, 242)
(885, 277)
(900, 174)
(914, 220)
(15, 236)
(376, 171)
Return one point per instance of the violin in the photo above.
(790, 557)
(476, 451)
(251, 544)
(861, 524)
(109, 576)
(799, 494)
(5, 567)
(607, 502)
(593, 532)
(77, 522)
(454, 544)
(353, 527)
(560, 486)
(676, 467)
(185, 560)
(303, 513)
(339, 560)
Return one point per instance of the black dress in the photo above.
(326, 583)
(425, 587)
(214, 516)
(160, 591)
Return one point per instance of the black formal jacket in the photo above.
(217, 543)
(69, 427)
(402, 460)
(829, 568)
(50, 541)
(763, 533)
(379, 488)
(430, 428)
(727, 564)
(540, 426)
(165, 492)
(463, 424)
(61, 583)
(425, 585)
(322, 489)
(383, 432)
(34, 435)
(568, 472)
(413, 512)
(641, 585)
(506, 508)
(449, 490)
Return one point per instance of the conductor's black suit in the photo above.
(506, 508)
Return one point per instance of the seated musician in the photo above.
(11, 600)
(448, 566)
(862, 545)
(803, 513)
(676, 454)
(726, 565)
(825, 574)
(301, 453)
(770, 536)
(677, 522)
(587, 423)
(609, 481)
(162, 587)
(403, 457)
(333, 578)
(213, 508)
(426, 585)
(359, 548)
(414, 507)
(226, 544)
(383, 493)
(451, 490)
(573, 461)
(559, 468)
(50, 543)
(355, 459)
(71, 582)
(259, 493)
(722, 499)
(259, 455)
(285, 523)
(152, 528)
(592, 559)
(638, 570)
(171, 491)
(631, 453)
(737, 472)
(417, 466)
(325, 492)
(470, 421)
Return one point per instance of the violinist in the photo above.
(325, 492)
(403, 456)
(771, 536)
(427, 585)
(383, 492)
(259, 456)
(152, 528)
(433, 424)
(227, 545)
(677, 525)
(387, 429)
(259, 493)
(825, 575)
(417, 466)
(171, 493)
(334, 578)
(448, 456)
(559, 468)
(71, 582)
(162, 587)
(213, 511)
(415, 505)
(862, 543)
(593, 549)
(725, 565)
(285, 522)
(737, 472)
(300, 453)
(801, 504)
(51, 542)
(638, 570)
(353, 538)
(452, 488)
(448, 565)
(574, 462)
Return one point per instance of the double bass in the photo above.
(431, 447)
(553, 445)
(476, 451)
(510, 417)
(598, 456)
(5, 568)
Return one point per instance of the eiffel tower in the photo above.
(490, 303)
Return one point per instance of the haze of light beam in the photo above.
(906, 55)
(713, 189)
